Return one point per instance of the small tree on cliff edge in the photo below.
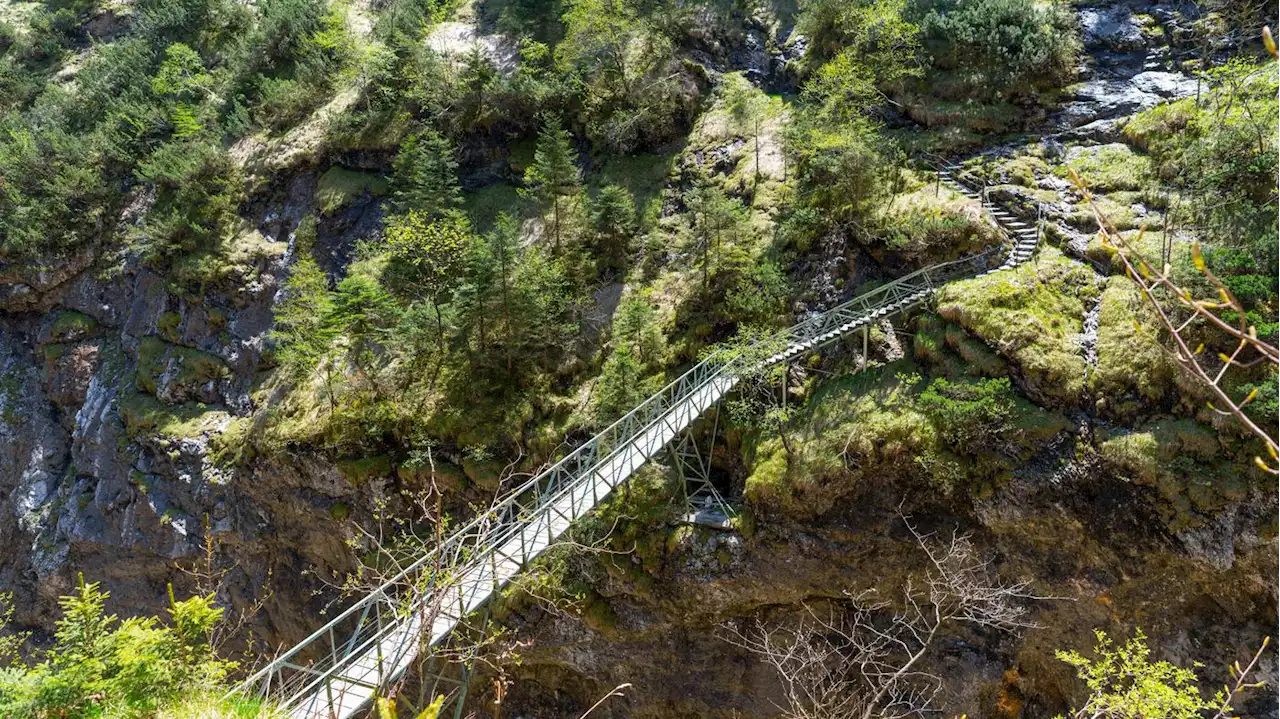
(553, 177)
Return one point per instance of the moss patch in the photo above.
(1031, 316)
(931, 224)
(143, 414)
(360, 470)
(71, 325)
(874, 427)
(1187, 464)
(181, 368)
(339, 187)
(1133, 370)
(1108, 168)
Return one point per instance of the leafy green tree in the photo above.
(542, 325)
(426, 175)
(625, 63)
(427, 260)
(718, 220)
(197, 191)
(476, 81)
(760, 403)
(363, 313)
(182, 74)
(504, 248)
(553, 176)
(758, 294)
(613, 221)
(302, 326)
(875, 33)
(841, 170)
(635, 324)
(620, 386)
(1124, 683)
(597, 33)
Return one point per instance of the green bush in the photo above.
(1000, 46)
(100, 666)
(969, 413)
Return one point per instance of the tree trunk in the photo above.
(435, 374)
(555, 214)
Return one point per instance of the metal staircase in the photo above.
(1025, 237)
(335, 672)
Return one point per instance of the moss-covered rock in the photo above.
(338, 187)
(441, 475)
(1031, 316)
(176, 374)
(1108, 168)
(360, 470)
(853, 433)
(70, 326)
(1133, 371)
(143, 414)
(1187, 464)
(486, 473)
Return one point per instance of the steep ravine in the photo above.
(1102, 545)
(118, 391)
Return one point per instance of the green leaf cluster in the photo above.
(101, 666)
(1124, 683)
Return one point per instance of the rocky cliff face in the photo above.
(122, 399)
(1090, 543)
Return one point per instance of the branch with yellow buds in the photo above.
(1249, 350)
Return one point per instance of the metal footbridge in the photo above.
(335, 672)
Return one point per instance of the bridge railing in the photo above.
(313, 660)
(313, 664)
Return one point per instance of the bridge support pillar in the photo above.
(866, 342)
(704, 502)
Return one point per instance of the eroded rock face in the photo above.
(1084, 536)
(117, 393)
(1129, 62)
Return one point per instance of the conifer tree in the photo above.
(426, 175)
(553, 177)
(613, 218)
(301, 327)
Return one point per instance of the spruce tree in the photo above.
(426, 175)
(613, 219)
(553, 177)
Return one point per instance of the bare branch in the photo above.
(861, 657)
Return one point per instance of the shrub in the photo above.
(1123, 682)
(131, 668)
(1000, 46)
(969, 413)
